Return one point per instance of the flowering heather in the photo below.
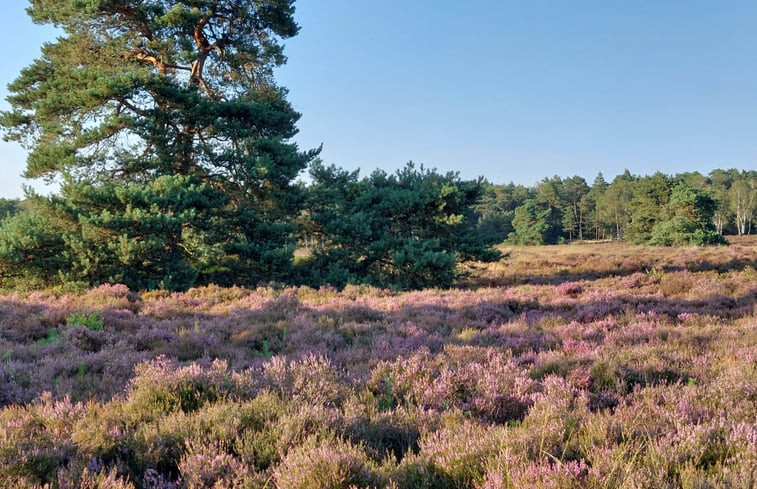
(586, 366)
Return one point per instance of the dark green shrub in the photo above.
(92, 321)
(403, 231)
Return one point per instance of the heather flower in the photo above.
(535, 384)
(100, 480)
(542, 474)
(461, 449)
(159, 387)
(320, 464)
(211, 465)
(115, 296)
(570, 289)
(152, 479)
(312, 380)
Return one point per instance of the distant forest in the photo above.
(687, 208)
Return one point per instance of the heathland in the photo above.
(593, 365)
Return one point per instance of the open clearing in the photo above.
(591, 365)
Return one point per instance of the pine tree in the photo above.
(163, 122)
(405, 230)
(532, 224)
(650, 196)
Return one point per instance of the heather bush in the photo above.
(311, 381)
(10, 391)
(604, 378)
(302, 423)
(553, 363)
(263, 339)
(103, 432)
(553, 425)
(676, 284)
(419, 472)
(34, 441)
(386, 434)
(581, 374)
(114, 296)
(570, 289)
(327, 464)
(21, 324)
(91, 478)
(460, 449)
(160, 387)
(481, 381)
(82, 337)
(174, 444)
(506, 473)
(211, 465)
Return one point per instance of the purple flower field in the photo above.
(575, 366)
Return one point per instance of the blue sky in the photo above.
(513, 91)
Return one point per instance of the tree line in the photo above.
(683, 209)
(172, 144)
(406, 230)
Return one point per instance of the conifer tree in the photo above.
(651, 195)
(171, 139)
(406, 230)
(531, 224)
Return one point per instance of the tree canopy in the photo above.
(639, 209)
(171, 139)
(405, 230)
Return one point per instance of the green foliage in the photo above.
(531, 224)
(92, 321)
(552, 195)
(145, 236)
(172, 139)
(53, 335)
(613, 205)
(496, 210)
(749, 273)
(403, 231)
(575, 189)
(630, 208)
(650, 196)
(9, 207)
(655, 273)
(327, 465)
(687, 219)
(31, 250)
(594, 227)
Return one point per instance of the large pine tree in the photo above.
(172, 142)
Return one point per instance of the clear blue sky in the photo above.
(513, 91)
